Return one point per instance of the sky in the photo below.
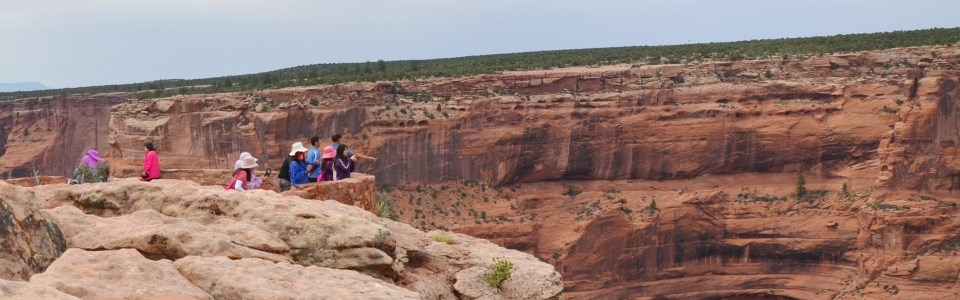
(70, 43)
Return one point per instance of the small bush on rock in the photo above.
(443, 238)
(384, 207)
(499, 271)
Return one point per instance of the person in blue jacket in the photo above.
(313, 160)
(298, 167)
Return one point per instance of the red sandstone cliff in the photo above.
(883, 122)
(618, 122)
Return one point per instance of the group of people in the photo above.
(332, 163)
(301, 166)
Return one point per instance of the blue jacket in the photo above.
(298, 172)
(314, 155)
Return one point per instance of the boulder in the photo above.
(116, 274)
(158, 236)
(26, 290)
(252, 279)
(29, 240)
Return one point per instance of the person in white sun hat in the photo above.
(255, 181)
(243, 174)
(298, 166)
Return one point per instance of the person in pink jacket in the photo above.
(151, 163)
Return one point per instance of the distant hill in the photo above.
(21, 86)
(333, 73)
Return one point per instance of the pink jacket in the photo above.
(151, 165)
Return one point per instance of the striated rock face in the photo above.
(51, 134)
(29, 240)
(177, 239)
(732, 236)
(615, 122)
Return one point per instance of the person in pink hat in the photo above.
(326, 163)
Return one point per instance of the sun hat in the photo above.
(243, 156)
(328, 152)
(297, 147)
(248, 163)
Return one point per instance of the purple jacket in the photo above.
(91, 159)
(342, 168)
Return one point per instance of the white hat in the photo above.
(248, 163)
(297, 147)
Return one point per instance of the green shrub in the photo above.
(652, 208)
(443, 238)
(499, 271)
(571, 191)
(103, 171)
(801, 187)
(384, 207)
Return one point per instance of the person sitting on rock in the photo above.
(255, 181)
(283, 177)
(298, 166)
(92, 168)
(243, 175)
(343, 165)
(326, 164)
(151, 163)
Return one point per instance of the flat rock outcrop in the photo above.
(172, 238)
(116, 274)
(252, 278)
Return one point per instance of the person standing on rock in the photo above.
(336, 143)
(254, 181)
(283, 177)
(313, 160)
(343, 165)
(298, 166)
(151, 163)
(243, 175)
(326, 164)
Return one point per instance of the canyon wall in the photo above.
(670, 181)
(617, 122)
(49, 135)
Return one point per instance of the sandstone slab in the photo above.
(116, 274)
(159, 236)
(251, 278)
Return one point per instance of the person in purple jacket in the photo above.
(342, 164)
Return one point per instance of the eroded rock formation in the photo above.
(173, 238)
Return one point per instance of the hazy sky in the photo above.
(67, 43)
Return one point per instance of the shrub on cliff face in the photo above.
(571, 192)
(443, 238)
(499, 271)
(801, 187)
(384, 207)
